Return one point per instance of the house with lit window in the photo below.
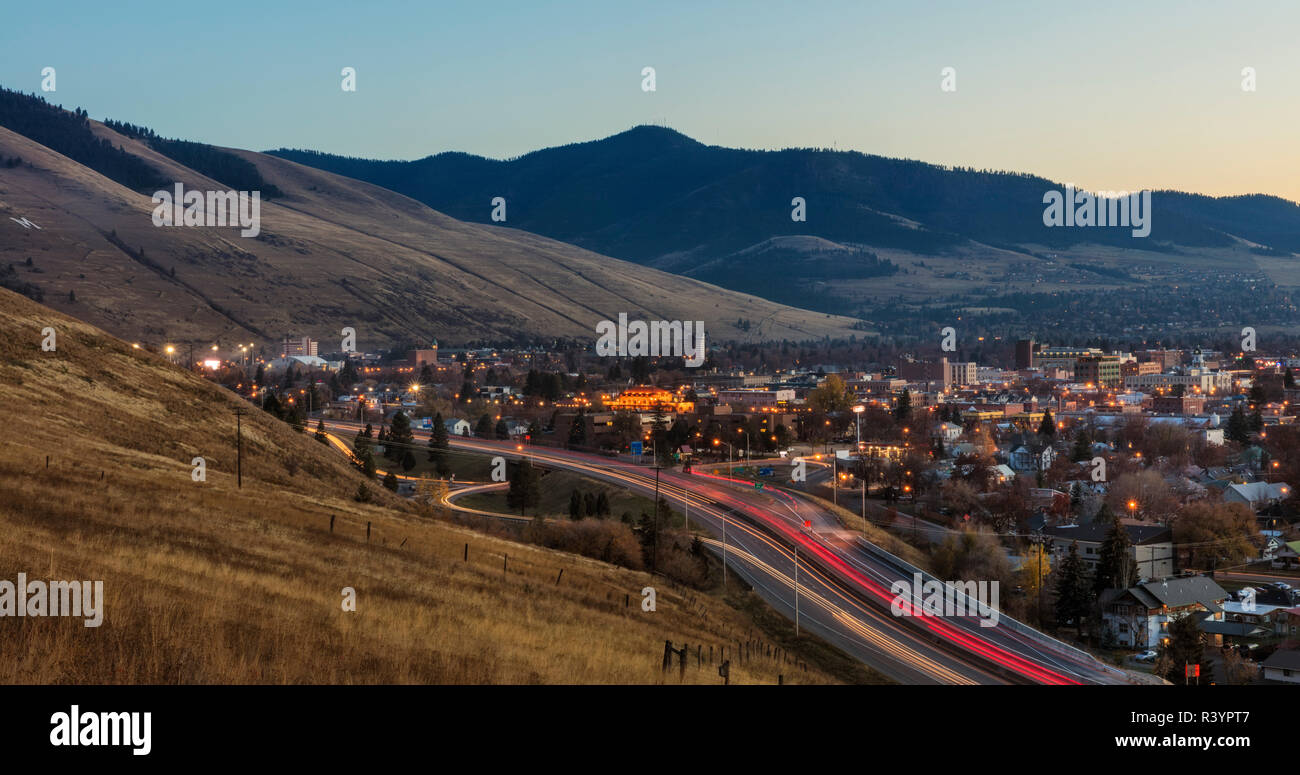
(1139, 617)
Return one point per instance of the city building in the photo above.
(1183, 404)
(1025, 354)
(1098, 370)
(1195, 381)
(648, 399)
(926, 371)
(298, 345)
(962, 374)
(1060, 357)
(426, 356)
(752, 397)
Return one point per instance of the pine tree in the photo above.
(1082, 447)
(400, 437)
(320, 432)
(1047, 428)
(484, 428)
(272, 406)
(502, 430)
(1238, 426)
(903, 410)
(578, 430)
(390, 481)
(525, 487)
(589, 504)
(408, 459)
(575, 505)
(438, 436)
(1185, 647)
(1073, 595)
(602, 505)
(1114, 567)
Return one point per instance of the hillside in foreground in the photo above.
(209, 583)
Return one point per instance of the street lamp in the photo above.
(730, 467)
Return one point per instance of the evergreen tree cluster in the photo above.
(69, 133)
(588, 504)
(223, 166)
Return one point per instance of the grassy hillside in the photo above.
(208, 583)
(332, 252)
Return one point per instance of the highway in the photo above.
(844, 582)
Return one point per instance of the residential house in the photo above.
(1282, 665)
(1139, 617)
(1151, 547)
(1032, 457)
(457, 427)
(1257, 495)
(1245, 621)
(946, 432)
(1287, 555)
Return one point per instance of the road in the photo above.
(843, 592)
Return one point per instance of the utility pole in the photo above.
(656, 517)
(796, 588)
(724, 552)
(864, 500)
(239, 445)
(1041, 543)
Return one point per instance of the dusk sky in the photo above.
(1105, 94)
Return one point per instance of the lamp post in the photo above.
(857, 418)
(741, 430)
(730, 468)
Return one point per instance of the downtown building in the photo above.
(298, 345)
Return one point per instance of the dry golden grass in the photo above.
(207, 583)
(333, 252)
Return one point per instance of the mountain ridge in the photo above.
(333, 252)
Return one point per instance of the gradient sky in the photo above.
(1107, 95)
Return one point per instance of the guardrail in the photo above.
(909, 569)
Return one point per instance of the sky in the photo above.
(1105, 95)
